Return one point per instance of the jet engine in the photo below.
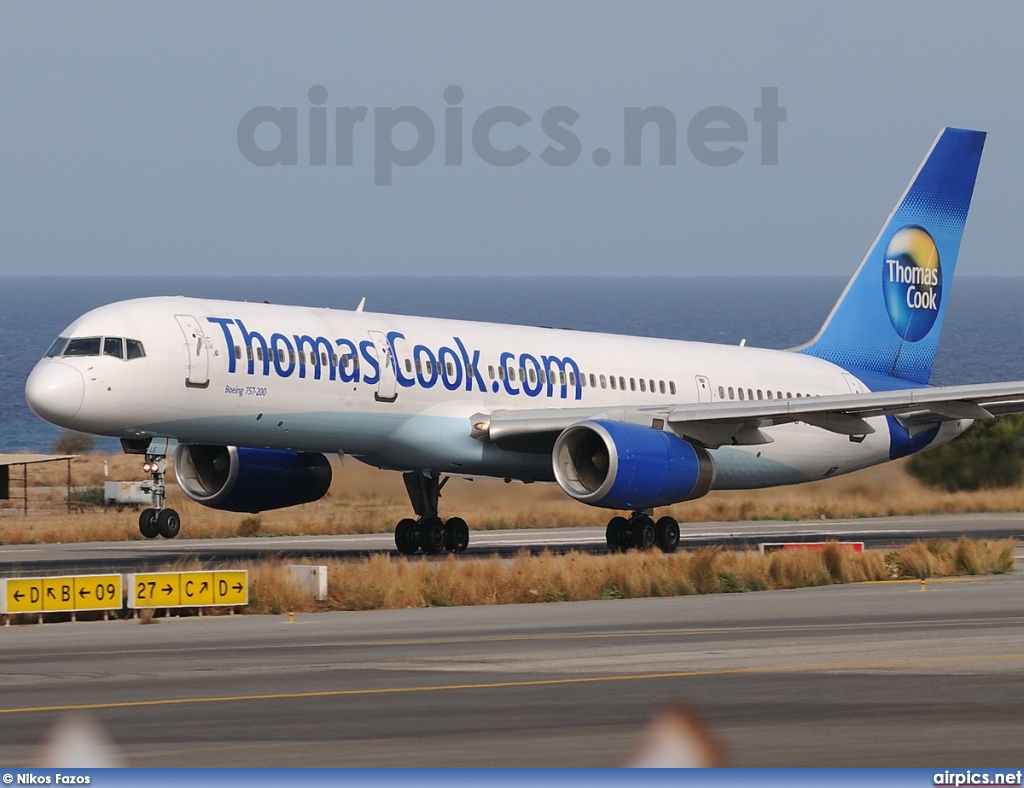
(238, 479)
(629, 466)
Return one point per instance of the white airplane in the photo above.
(255, 395)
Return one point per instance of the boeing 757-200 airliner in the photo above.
(254, 395)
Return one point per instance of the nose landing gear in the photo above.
(158, 521)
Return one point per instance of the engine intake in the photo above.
(237, 479)
(629, 466)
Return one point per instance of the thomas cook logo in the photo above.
(912, 282)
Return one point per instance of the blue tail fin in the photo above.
(888, 319)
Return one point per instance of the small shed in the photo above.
(7, 461)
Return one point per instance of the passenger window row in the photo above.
(274, 354)
(431, 368)
(620, 383)
(533, 375)
(616, 383)
(749, 394)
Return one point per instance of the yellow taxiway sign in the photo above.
(60, 594)
(188, 589)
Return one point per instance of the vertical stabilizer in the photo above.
(888, 319)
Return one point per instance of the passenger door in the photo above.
(387, 386)
(703, 389)
(198, 347)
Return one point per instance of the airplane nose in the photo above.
(55, 391)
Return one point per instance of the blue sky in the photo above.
(119, 127)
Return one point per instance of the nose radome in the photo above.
(55, 391)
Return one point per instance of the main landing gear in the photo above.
(428, 532)
(642, 532)
(159, 521)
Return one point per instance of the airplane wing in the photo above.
(714, 424)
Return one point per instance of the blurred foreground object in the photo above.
(77, 741)
(676, 739)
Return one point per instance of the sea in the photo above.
(981, 339)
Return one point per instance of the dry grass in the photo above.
(941, 558)
(385, 582)
(366, 500)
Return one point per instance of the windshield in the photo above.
(115, 347)
(57, 347)
(85, 346)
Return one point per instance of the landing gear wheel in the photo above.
(616, 535)
(456, 537)
(668, 534)
(147, 524)
(642, 532)
(168, 523)
(432, 536)
(405, 537)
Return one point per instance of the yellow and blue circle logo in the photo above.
(912, 282)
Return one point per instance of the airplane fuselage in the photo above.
(400, 392)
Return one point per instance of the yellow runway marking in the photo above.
(514, 684)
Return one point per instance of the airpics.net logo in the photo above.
(500, 136)
(912, 282)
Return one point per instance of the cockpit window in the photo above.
(57, 347)
(135, 349)
(86, 346)
(116, 347)
(113, 346)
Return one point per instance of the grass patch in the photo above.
(915, 560)
(250, 526)
(385, 582)
(87, 496)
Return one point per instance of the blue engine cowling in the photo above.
(629, 466)
(238, 479)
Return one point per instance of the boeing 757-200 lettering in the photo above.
(255, 395)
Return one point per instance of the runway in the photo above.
(861, 675)
(140, 555)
